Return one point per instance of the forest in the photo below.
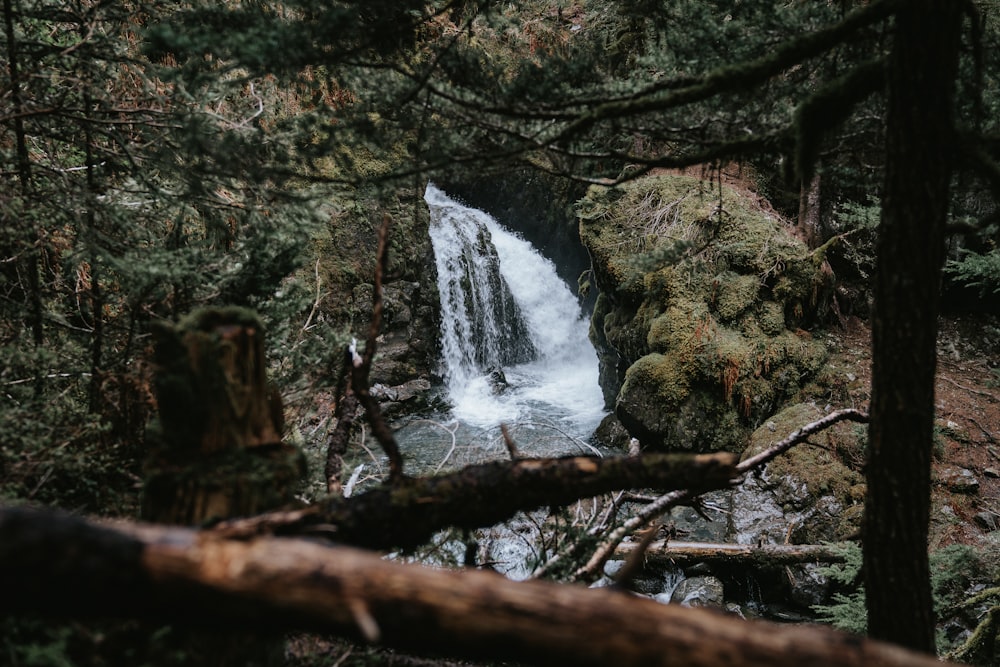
(760, 241)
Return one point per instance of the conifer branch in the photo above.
(829, 107)
(732, 78)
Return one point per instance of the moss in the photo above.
(708, 280)
(734, 294)
(207, 319)
(659, 376)
(819, 467)
(770, 316)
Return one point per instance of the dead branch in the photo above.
(361, 371)
(756, 555)
(58, 564)
(407, 513)
(347, 410)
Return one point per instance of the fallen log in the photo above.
(749, 555)
(65, 565)
(406, 513)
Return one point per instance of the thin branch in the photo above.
(361, 372)
(593, 567)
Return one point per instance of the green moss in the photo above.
(706, 279)
(770, 316)
(661, 377)
(734, 294)
(820, 467)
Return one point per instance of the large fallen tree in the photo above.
(60, 564)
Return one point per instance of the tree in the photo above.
(130, 197)
(920, 154)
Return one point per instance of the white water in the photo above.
(553, 376)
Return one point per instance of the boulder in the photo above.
(703, 294)
(809, 495)
(699, 592)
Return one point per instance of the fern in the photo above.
(977, 270)
(847, 610)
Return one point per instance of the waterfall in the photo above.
(504, 308)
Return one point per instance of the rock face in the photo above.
(408, 345)
(702, 293)
(808, 495)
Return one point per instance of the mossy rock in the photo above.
(699, 288)
(816, 485)
(659, 407)
(735, 294)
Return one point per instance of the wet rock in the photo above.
(699, 592)
(808, 586)
(687, 524)
(957, 480)
(806, 496)
(412, 390)
(498, 381)
(611, 433)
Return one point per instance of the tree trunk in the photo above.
(221, 453)
(746, 555)
(64, 565)
(809, 227)
(920, 141)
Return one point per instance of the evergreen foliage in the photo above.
(980, 271)
(131, 197)
(956, 571)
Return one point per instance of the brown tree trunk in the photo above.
(64, 565)
(748, 555)
(809, 225)
(221, 453)
(920, 141)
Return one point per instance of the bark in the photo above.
(406, 513)
(810, 224)
(221, 453)
(345, 414)
(747, 555)
(65, 565)
(919, 155)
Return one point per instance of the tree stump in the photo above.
(219, 453)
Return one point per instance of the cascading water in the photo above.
(514, 343)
